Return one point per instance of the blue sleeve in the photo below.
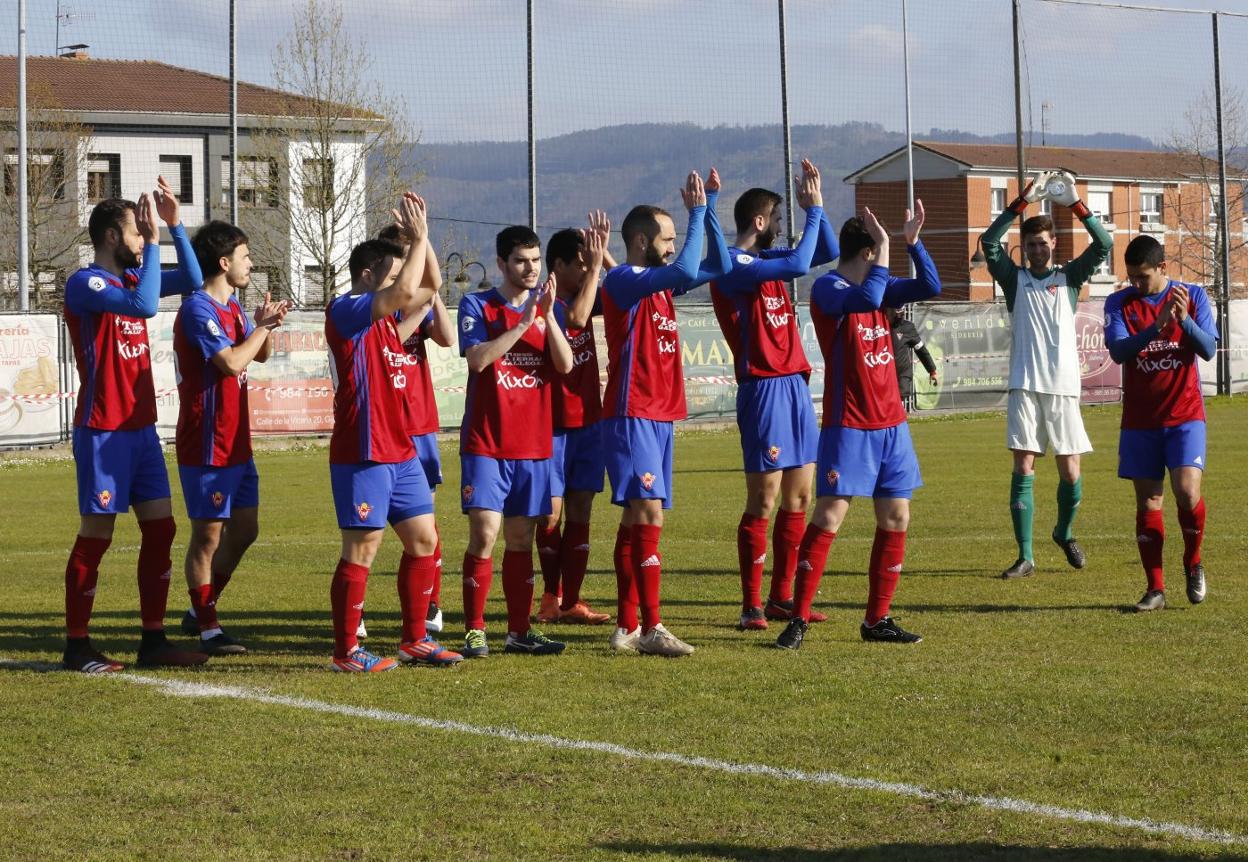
(471, 324)
(833, 295)
(187, 278)
(1200, 326)
(925, 286)
(789, 264)
(1121, 344)
(352, 314)
(627, 285)
(86, 291)
(828, 249)
(717, 262)
(203, 329)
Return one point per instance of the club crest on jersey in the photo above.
(105, 497)
(96, 283)
(832, 476)
(1052, 289)
(467, 492)
(218, 498)
(773, 453)
(363, 510)
(647, 480)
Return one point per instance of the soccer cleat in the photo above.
(793, 634)
(582, 614)
(548, 611)
(752, 620)
(532, 642)
(87, 659)
(475, 645)
(783, 610)
(433, 619)
(1152, 600)
(1074, 554)
(428, 651)
(1196, 584)
(190, 624)
(360, 631)
(622, 640)
(659, 641)
(887, 631)
(221, 644)
(1020, 569)
(363, 661)
(165, 654)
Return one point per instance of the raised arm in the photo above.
(791, 263)
(441, 330)
(556, 341)
(187, 277)
(1196, 319)
(1003, 270)
(631, 284)
(717, 261)
(593, 247)
(408, 289)
(926, 284)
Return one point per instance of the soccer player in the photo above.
(1043, 406)
(213, 343)
(779, 436)
(116, 450)
(865, 448)
(514, 347)
(373, 468)
(646, 393)
(575, 258)
(906, 339)
(1155, 329)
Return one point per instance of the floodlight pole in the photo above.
(788, 139)
(23, 210)
(905, 65)
(233, 112)
(1223, 356)
(532, 139)
(1019, 156)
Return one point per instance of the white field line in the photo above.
(914, 791)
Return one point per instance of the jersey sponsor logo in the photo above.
(363, 510)
(467, 491)
(1165, 363)
(647, 480)
(218, 499)
(213, 329)
(131, 327)
(131, 351)
(871, 333)
(105, 497)
(96, 283)
(832, 476)
(873, 360)
(509, 380)
(581, 358)
(773, 453)
(775, 312)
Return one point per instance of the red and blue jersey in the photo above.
(507, 411)
(214, 426)
(577, 398)
(370, 378)
(1160, 374)
(422, 408)
(753, 305)
(855, 337)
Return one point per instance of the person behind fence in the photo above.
(646, 393)
(1156, 329)
(865, 448)
(906, 339)
(775, 415)
(213, 343)
(374, 472)
(117, 453)
(1044, 386)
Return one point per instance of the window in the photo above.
(1150, 207)
(1098, 202)
(257, 181)
(177, 172)
(1046, 207)
(103, 177)
(997, 206)
(318, 183)
(45, 174)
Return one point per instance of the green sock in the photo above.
(1022, 506)
(1068, 496)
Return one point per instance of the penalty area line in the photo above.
(180, 688)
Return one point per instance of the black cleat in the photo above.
(1196, 584)
(791, 637)
(85, 658)
(889, 632)
(1020, 569)
(1074, 554)
(158, 652)
(221, 644)
(1153, 600)
(190, 624)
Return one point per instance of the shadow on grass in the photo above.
(909, 852)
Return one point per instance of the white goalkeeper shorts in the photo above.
(1035, 421)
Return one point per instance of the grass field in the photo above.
(1042, 692)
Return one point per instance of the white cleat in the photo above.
(622, 640)
(361, 632)
(660, 641)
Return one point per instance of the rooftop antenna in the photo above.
(65, 15)
(1045, 107)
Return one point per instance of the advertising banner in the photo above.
(30, 379)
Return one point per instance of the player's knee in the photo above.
(548, 522)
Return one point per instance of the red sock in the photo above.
(155, 570)
(346, 598)
(436, 596)
(81, 573)
(786, 536)
(812, 556)
(573, 560)
(625, 580)
(518, 589)
(415, 587)
(219, 582)
(1193, 524)
(888, 552)
(204, 603)
(1150, 535)
(548, 542)
(478, 574)
(751, 556)
(648, 570)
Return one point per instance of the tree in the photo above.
(338, 139)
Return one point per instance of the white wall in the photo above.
(140, 165)
(346, 154)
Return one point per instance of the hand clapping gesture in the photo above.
(694, 192)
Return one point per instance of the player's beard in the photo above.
(654, 257)
(125, 258)
(767, 238)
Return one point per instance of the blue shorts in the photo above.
(639, 459)
(118, 468)
(517, 487)
(368, 494)
(1146, 453)
(857, 463)
(213, 493)
(429, 457)
(777, 422)
(577, 463)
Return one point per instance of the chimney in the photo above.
(75, 52)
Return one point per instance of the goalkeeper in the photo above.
(1043, 407)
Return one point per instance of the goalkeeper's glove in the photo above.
(1061, 189)
(1032, 192)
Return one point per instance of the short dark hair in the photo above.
(1144, 250)
(390, 233)
(108, 213)
(369, 253)
(754, 202)
(216, 240)
(563, 246)
(854, 238)
(642, 219)
(511, 238)
(1037, 224)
